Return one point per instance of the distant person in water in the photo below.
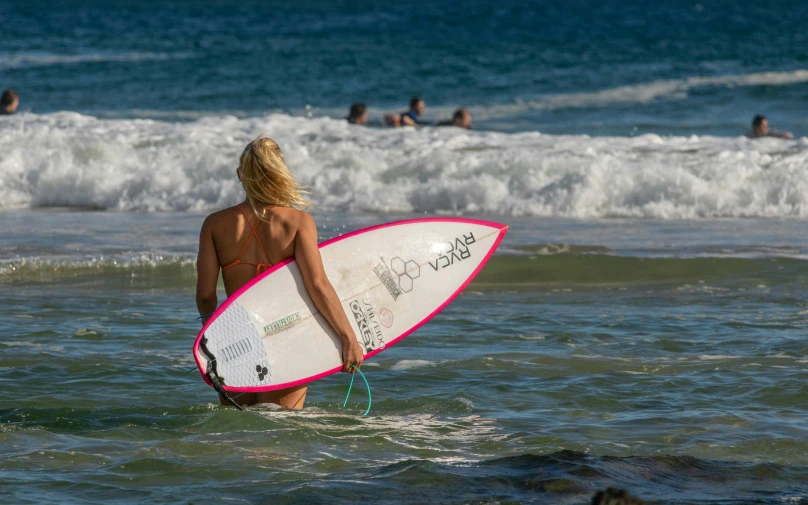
(358, 114)
(409, 118)
(760, 128)
(9, 102)
(393, 120)
(461, 119)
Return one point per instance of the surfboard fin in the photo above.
(213, 375)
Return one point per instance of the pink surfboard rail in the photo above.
(502, 231)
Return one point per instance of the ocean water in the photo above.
(610, 68)
(641, 326)
(665, 357)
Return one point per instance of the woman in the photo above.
(265, 229)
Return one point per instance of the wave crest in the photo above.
(71, 160)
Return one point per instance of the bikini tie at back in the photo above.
(259, 267)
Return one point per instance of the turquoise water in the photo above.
(664, 357)
(641, 326)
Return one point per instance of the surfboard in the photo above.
(391, 279)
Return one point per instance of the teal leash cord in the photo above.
(370, 400)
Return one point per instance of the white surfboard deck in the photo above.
(390, 278)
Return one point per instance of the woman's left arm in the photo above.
(207, 272)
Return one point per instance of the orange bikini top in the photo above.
(259, 267)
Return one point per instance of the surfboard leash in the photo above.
(367, 386)
(217, 382)
(213, 375)
(197, 319)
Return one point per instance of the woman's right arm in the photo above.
(207, 272)
(322, 293)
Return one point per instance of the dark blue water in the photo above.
(140, 57)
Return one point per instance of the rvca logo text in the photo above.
(452, 252)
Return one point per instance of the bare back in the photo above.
(247, 245)
(241, 245)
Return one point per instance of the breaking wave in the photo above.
(72, 160)
(641, 93)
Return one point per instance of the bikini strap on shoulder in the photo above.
(257, 238)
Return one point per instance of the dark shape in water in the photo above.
(614, 496)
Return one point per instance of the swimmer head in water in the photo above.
(462, 118)
(760, 128)
(358, 114)
(9, 102)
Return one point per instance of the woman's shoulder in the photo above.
(219, 216)
(288, 217)
(292, 217)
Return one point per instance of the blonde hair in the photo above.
(266, 178)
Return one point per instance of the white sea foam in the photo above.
(54, 265)
(46, 59)
(717, 357)
(643, 92)
(411, 363)
(68, 159)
